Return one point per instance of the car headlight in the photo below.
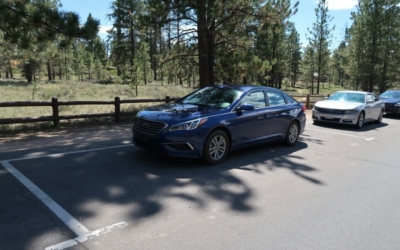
(353, 111)
(189, 125)
(397, 104)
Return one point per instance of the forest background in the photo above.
(187, 44)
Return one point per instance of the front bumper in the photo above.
(335, 118)
(188, 144)
(392, 110)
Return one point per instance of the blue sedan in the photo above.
(212, 121)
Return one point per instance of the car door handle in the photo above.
(260, 117)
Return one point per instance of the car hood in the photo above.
(337, 104)
(389, 100)
(175, 112)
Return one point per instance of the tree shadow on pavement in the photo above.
(142, 184)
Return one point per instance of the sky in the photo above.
(305, 17)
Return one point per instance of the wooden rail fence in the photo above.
(56, 117)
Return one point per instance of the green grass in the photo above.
(19, 90)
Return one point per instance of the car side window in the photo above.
(370, 98)
(275, 98)
(255, 98)
(290, 100)
(376, 98)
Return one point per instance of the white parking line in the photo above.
(335, 133)
(83, 234)
(91, 235)
(70, 221)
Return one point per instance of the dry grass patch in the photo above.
(64, 91)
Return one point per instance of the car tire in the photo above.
(360, 120)
(292, 134)
(380, 117)
(216, 147)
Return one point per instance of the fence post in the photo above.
(54, 106)
(308, 101)
(117, 105)
(167, 99)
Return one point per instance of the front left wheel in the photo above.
(216, 147)
(360, 120)
(292, 134)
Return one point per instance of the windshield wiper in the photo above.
(192, 103)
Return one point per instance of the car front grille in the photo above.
(148, 127)
(331, 120)
(331, 111)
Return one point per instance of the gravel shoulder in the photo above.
(64, 136)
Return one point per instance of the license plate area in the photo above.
(141, 137)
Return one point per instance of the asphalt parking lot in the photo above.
(337, 188)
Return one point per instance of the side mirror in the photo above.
(245, 106)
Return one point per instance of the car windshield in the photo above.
(348, 97)
(391, 94)
(213, 97)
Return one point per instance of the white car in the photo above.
(349, 107)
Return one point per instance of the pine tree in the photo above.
(373, 44)
(294, 50)
(220, 29)
(320, 39)
(125, 33)
(31, 22)
(309, 62)
(272, 41)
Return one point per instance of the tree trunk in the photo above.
(49, 71)
(154, 53)
(59, 69)
(132, 43)
(319, 65)
(28, 71)
(145, 75)
(202, 43)
(66, 67)
(34, 71)
(211, 51)
(10, 69)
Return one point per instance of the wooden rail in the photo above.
(308, 100)
(56, 117)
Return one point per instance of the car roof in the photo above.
(393, 90)
(353, 91)
(244, 87)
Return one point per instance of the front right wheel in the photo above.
(216, 147)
